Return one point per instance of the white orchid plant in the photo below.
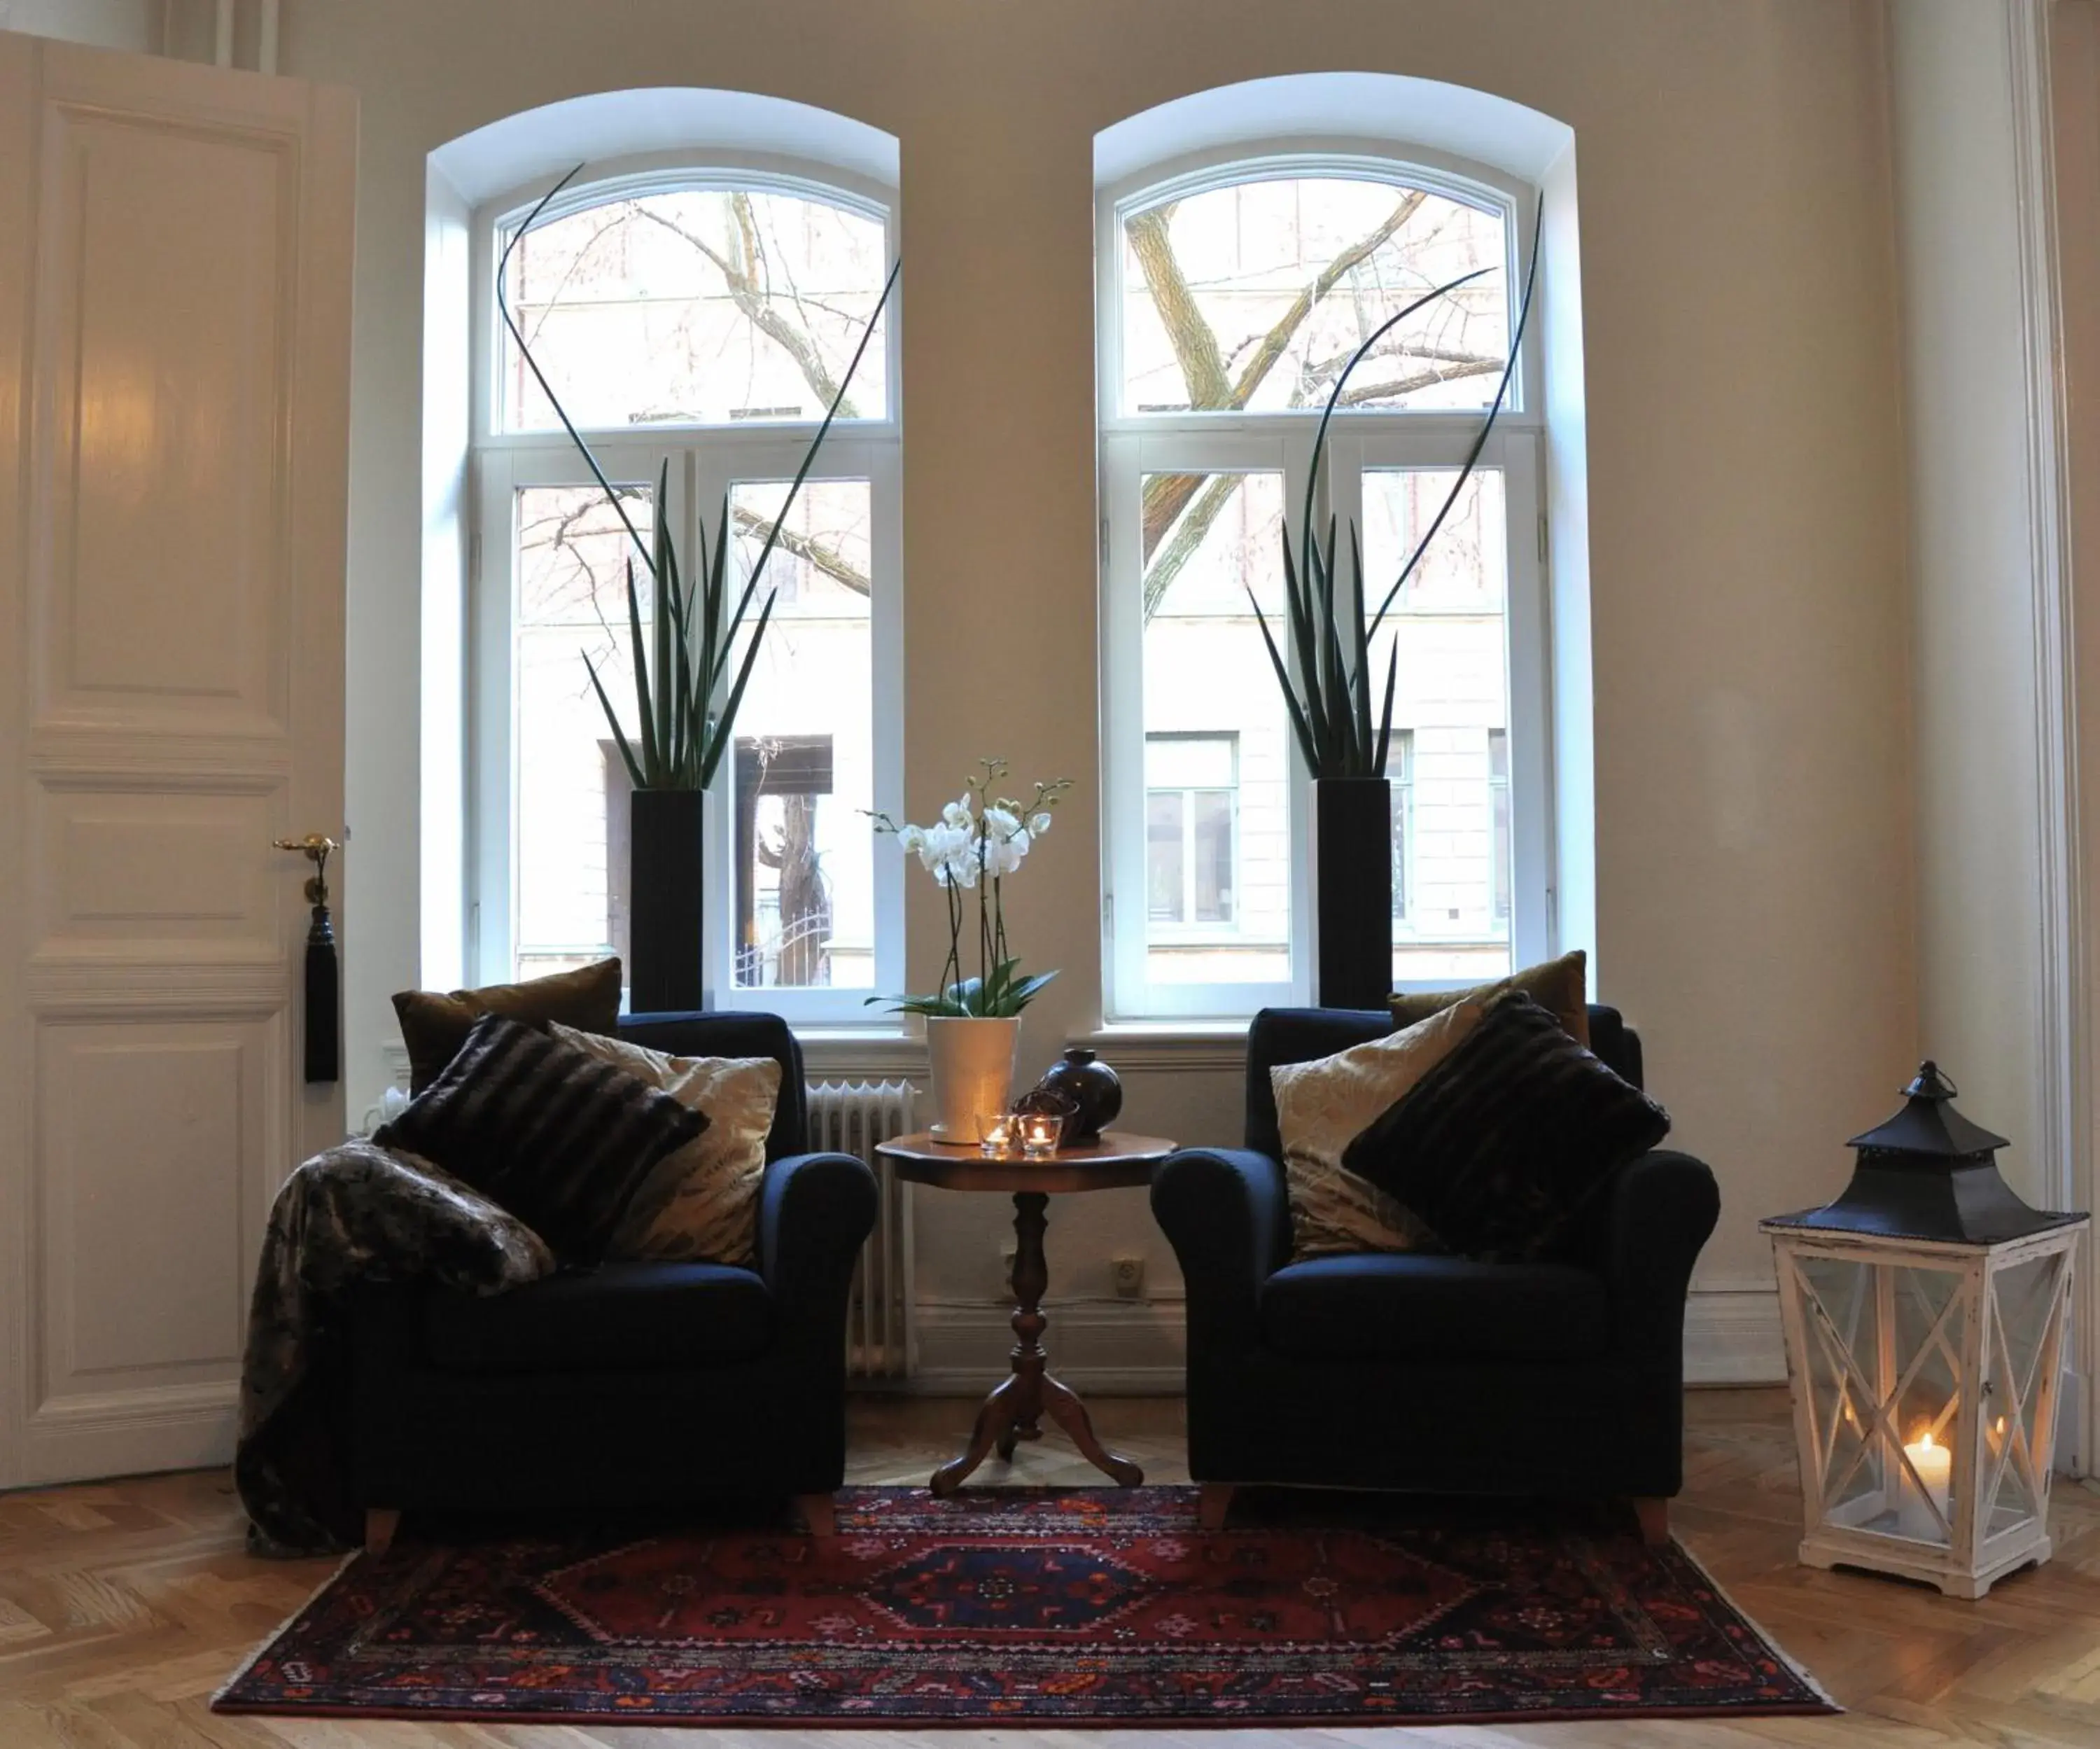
(980, 839)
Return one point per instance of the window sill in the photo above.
(1184, 1046)
(861, 1053)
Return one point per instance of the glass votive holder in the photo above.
(1040, 1133)
(996, 1135)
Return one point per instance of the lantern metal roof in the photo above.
(1929, 1173)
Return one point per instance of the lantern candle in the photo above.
(1040, 1133)
(1934, 1465)
(996, 1136)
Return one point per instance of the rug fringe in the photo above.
(285, 1627)
(1800, 1670)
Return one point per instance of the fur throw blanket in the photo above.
(357, 1212)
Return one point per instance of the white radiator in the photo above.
(851, 1117)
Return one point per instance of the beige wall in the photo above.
(1755, 900)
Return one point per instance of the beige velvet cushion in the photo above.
(434, 1025)
(1323, 1106)
(701, 1204)
(1560, 986)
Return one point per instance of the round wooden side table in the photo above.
(1014, 1409)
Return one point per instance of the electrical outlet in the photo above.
(1128, 1273)
(1005, 1268)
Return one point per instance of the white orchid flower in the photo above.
(936, 844)
(1003, 855)
(1004, 824)
(1039, 825)
(911, 840)
(958, 813)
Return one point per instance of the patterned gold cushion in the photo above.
(434, 1025)
(701, 1203)
(1559, 987)
(1322, 1106)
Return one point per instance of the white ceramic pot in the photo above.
(972, 1072)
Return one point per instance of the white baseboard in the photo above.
(1139, 1348)
(2073, 1413)
(1110, 1348)
(1732, 1335)
(128, 1432)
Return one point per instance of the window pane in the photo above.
(700, 307)
(1452, 700)
(1189, 761)
(1215, 727)
(1163, 871)
(569, 801)
(1214, 855)
(803, 856)
(1253, 297)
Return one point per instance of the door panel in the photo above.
(169, 448)
(175, 267)
(183, 1111)
(172, 874)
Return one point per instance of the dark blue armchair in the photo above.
(1428, 1372)
(633, 1383)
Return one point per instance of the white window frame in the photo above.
(1133, 445)
(706, 462)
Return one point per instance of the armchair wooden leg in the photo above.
(381, 1522)
(1214, 1502)
(819, 1513)
(1653, 1513)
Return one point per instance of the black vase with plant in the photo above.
(686, 695)
(1329, 702)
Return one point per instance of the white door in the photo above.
(175, 327)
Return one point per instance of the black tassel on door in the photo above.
(324, 976)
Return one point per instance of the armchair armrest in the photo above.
(1659, 1210)
(815, 1211)
(1228, 1215)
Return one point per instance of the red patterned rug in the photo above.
(1060, 1606)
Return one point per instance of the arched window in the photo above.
(704, 317)
(1232, 293)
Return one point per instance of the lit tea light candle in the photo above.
(995, 1136)
(1040, 1133)
(1934, 1465)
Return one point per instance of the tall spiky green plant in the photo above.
(1329, 703)
(684, 696)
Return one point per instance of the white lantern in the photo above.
(1924, 1313)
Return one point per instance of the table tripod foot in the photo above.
(994, 1420)
(1071, 1414)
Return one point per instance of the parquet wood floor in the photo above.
(123, 1605)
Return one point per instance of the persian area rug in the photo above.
(1054, 1607)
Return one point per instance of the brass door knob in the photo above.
(316, 847)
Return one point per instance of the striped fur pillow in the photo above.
(1499, 1148)
(547, 1132)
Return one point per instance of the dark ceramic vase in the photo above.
(1092, 1086)
(664, 970)
(1352, 891)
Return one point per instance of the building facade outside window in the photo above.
(702, 318)
(1231, 295)
(1191, 826)
(1399, 775)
